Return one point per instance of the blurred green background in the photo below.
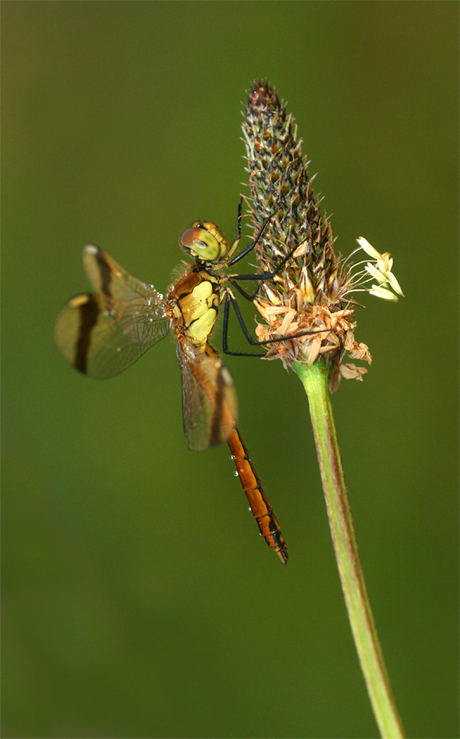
(138, 598)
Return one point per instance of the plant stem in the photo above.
(315, 381)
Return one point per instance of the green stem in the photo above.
(315, 381)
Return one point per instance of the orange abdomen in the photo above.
(261, 507)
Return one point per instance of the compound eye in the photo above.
(200, 243)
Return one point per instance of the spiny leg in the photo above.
(230, 299)
(259, 277)
(251, 246)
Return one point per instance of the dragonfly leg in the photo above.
(225, 348)
(230, 300)
(252, 245)
(238, 236)
(261, 277)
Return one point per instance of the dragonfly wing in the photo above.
(209, 407)
(101, 336)
(108, 278)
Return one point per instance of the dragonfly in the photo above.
(104, 332)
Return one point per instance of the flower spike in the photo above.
(316, 285)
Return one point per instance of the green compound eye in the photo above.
(198, 242)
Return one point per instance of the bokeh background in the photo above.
(138, 598)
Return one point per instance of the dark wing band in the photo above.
(102, 334)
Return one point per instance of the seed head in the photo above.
(313, 289)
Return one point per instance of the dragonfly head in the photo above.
(204, 242)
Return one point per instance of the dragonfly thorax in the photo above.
(204, 242)
(194, 303)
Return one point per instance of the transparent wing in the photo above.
(108, 278)
(209, 406)
(101, 337)
(103, 334)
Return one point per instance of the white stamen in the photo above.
(382, 292)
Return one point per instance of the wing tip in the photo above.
(91, 249)
(79, 300)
